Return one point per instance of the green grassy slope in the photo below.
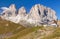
(17, 30)
(20, 32)
(24, 32)
(9, 27)
(54, 35)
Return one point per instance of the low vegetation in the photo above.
(54, 35)
(10, 30)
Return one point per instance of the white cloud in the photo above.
(5, 8)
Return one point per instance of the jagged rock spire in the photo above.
(38, 14)
(42, 13)
(13, 9)
(22, 11)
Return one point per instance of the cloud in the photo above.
(5, 8)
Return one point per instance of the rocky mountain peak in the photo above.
(22, 11)
(42, 13)
(13, 9)
(38, 15)
(12, 6)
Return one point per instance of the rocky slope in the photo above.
(8, 28)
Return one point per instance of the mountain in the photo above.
(19, 25)
(8, 12)
(13, 9)
(11, 15)
(38, 15)
(22, 12)
(42, 15)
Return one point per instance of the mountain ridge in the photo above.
(38, 15)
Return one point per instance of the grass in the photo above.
(9, 27)
(55, 34)
(25, 32)
(19, 31)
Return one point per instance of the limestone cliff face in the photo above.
(22, 11)
(13, 9)
(44, 14)
(9, 12)
(38, 15)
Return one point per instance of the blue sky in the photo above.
(54, 4)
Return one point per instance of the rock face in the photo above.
(42, 14)
(22, 11)
(13, 9)
(38, 15)
(9, 11)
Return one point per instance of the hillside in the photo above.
(58, 22)
(37, 33)
(10, 30)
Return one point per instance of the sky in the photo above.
(53, 4)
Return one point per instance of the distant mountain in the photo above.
(38, 15)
